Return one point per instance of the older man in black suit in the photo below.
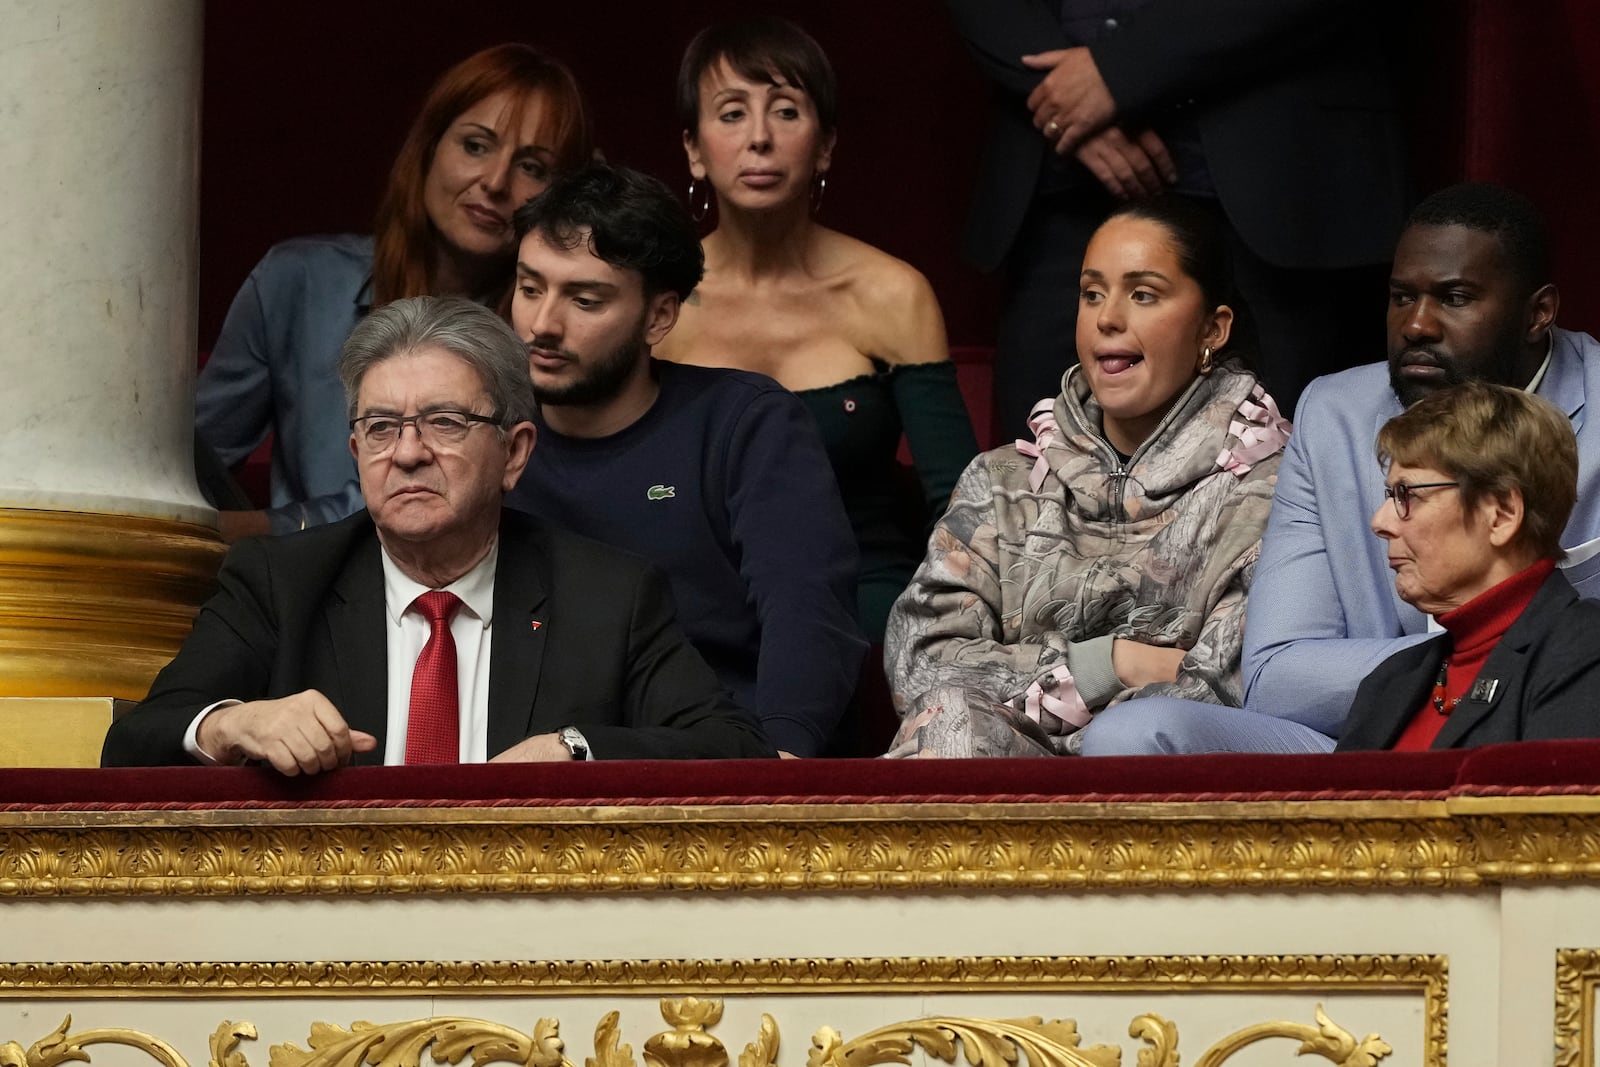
(434, 627)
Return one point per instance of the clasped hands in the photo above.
(1072, 108)
(305, 734)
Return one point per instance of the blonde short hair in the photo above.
(1493, 439)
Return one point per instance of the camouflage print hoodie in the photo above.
(1051, 549)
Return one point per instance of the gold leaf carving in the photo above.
(1577, 973)
(1327, 1039)
(983, 1042)
(1160, 1037)
(58, 1047)
(55, 1047)
(986, 1042)
(687, 1044)
(607, 1053)
(402, 1044)
(998, 847)
(763, 1051)
(225, 1044)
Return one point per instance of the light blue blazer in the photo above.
(1323, 611)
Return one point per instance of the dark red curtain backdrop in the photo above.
(1532, 116)
(306, 100)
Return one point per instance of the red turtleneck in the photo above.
(1475, 628)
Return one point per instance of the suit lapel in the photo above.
(516, 654)
(358, 633)
(1507, 666)
(1391, 695)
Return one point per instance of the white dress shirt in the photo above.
(406, 631)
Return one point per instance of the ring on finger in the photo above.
(1051, 129)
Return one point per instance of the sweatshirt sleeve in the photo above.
(798, 555)
(937, 428)
(950, 628)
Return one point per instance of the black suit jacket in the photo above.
(1292, 101)
(1547, 666)
(583, 635)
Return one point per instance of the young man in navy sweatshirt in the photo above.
(717, 476)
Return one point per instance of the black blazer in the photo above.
(583, 635)
(1547, 666)
(1292, 100)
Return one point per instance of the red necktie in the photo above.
(433, 727)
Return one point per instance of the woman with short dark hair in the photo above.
(1481, 480)
(852, 331)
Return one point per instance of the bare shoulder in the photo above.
(895, 306)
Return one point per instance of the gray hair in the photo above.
(459, 326)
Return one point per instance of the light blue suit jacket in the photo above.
(1323, 611)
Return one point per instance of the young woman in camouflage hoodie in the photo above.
(1109, 558)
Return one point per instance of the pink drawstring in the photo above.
(1059, 701)
(1042, 421)
(1262, 436)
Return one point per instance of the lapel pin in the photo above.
(536, 624)
(1484, 689)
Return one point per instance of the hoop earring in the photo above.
(1206, 360)
(818, 192)
(705, 205)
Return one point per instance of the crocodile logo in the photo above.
(660, 492)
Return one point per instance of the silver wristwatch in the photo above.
(575, 742)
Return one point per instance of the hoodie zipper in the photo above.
(1118, 478)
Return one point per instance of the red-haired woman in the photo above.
(489, 136)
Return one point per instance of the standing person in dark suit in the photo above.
(1275, 113)
(434, 627)
(1479, 484)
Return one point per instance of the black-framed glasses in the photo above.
(436, 429)
(1401, 494)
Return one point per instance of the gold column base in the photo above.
(94, 605)
(53, 732)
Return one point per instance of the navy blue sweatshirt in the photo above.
(724, 485)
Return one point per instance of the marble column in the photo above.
(106, 545)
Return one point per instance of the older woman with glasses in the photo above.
(1481, 480)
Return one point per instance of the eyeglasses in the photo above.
(436, 429)
(1401, 494)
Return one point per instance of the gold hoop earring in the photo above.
(1206, 360)
(817, 193)
(704, 209)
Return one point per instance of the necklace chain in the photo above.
(1442, 706)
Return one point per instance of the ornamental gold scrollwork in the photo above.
(543, 850)
(59, 1047)
(1577, 974)
(1328, 1040)
(450, 1040)
(997, 1043)
(986, 1042)
(1176, 846)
